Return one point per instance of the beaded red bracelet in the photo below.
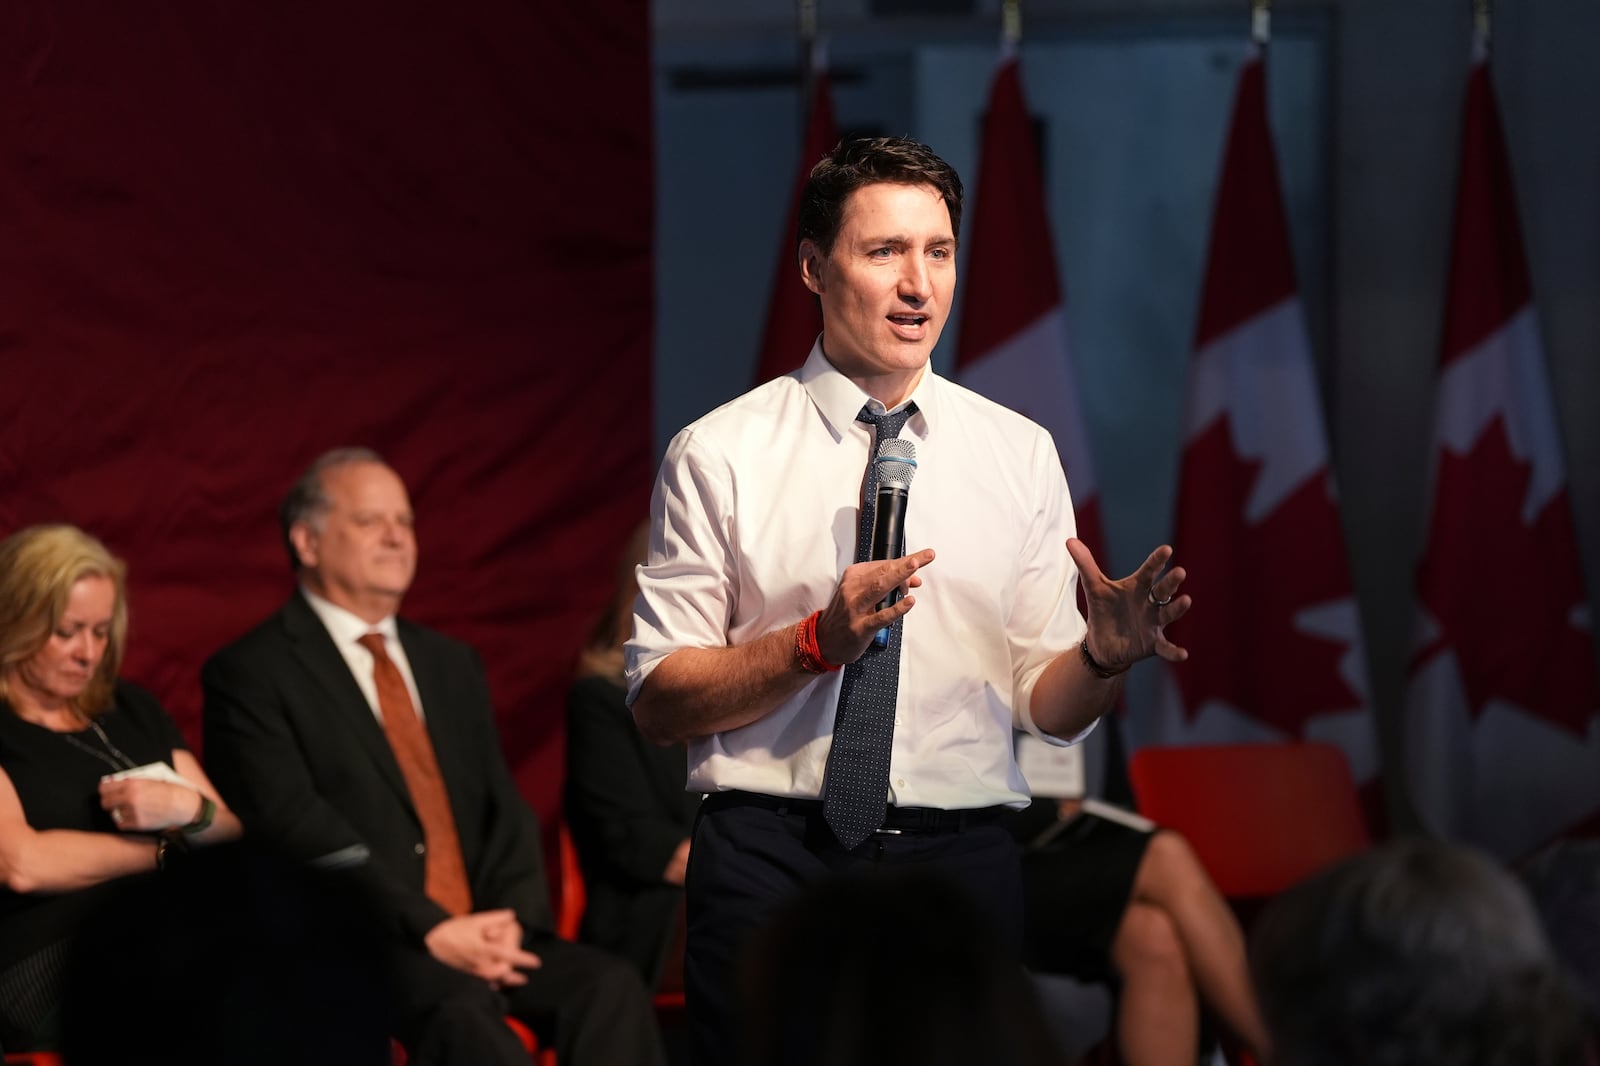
(806, 650)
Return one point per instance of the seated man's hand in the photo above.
(487, 945)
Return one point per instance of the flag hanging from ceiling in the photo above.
(1013, 341)
(793, 317)
(1503, 702)
(1274, 638)
(1013, 348)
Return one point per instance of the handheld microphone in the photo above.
(896, 465)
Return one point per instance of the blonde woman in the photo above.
(96, 782)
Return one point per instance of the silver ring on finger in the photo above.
(1155, 602)
(117, 815)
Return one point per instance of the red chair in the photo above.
(547, 1057)
(574, 898)
(569, 877)
(1261, 817)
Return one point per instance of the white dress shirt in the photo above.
(753, 521)
(347, 630)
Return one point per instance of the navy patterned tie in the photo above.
(863, 728)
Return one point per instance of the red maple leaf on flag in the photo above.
(1512, 624)
(1246, 649)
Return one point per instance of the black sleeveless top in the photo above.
(58, 784)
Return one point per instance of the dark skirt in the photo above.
(1075, 889)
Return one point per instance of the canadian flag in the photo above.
(1503, 707)
(1274, 637)
(793, 317)
(1013, 342)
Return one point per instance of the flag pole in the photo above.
(1010, 23)
(1480, 28)
(1260, 22)
(806, 22)
(793, 318)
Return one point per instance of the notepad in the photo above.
(152, 771)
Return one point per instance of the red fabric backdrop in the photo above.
(234, 235)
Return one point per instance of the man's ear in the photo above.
(811, 259)
(305, 544)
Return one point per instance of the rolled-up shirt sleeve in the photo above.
(1044, 618)
(690, 569)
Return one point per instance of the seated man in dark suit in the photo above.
(347, 737)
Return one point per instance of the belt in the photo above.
(896, 820)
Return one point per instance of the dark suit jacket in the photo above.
(627, 810)
(292, 744)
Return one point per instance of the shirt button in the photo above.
(899, 782)
(419, 848)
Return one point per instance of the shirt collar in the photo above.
(840, 400)
(346, 628)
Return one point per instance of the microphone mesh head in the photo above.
(897, 462)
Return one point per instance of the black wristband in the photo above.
(202, 821)
(1104, 673)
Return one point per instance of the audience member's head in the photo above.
(897, 967)
(1415, 952)
(349, 529)
(43, 569)
(1564, 880)
(308, 501)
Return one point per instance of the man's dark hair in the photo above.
(871, 161)
(307, 502)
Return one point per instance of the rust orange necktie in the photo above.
(445, 874)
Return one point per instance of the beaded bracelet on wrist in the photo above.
(1104, 673)
(806, 650)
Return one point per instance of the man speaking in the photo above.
(824, 746)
